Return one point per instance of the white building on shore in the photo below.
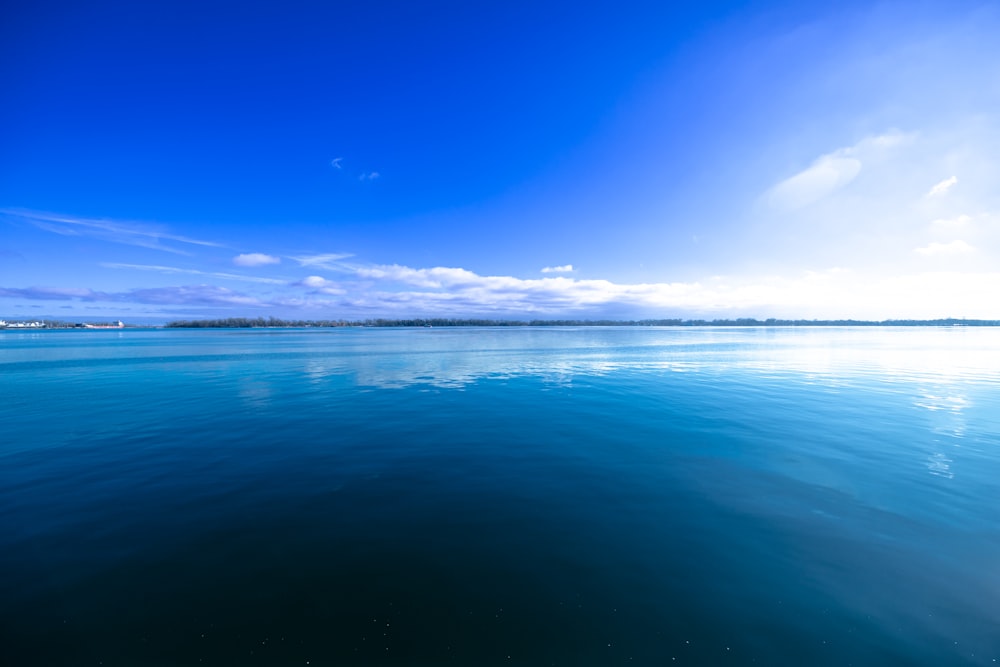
(21, 325)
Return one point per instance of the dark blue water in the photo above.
(593, 496)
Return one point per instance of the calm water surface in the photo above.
(563, 496)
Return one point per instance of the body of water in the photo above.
(515, 496)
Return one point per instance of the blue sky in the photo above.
(608, 159)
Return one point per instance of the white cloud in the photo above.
(436, 277)
(454, 290)
(255, 259)
(321, 285)
(448, 289)
(942, 187)
(959, 221)
(369, 176)
(394, 290)
(314, 281)
(835, 293)
(335, 163)
(566, 268)
(952, 248)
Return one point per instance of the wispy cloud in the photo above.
(255, 259)
(565, 268)
(143, 235)
(953, 248)
(336, 163)
(369, 176)
(825, 176)
(942, 187)
(194, 272)
(330, 260)
(190, 295)
(829, 173)
(53, 294)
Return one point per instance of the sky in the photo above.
(334, 160)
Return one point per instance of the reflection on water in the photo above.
(451, 359)
(940, 465)
(454, 357)
(256, 393)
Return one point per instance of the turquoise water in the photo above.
(563, 496)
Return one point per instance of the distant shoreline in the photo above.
(245, 323)
(275, 323)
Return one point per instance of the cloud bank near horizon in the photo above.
(400, 291)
